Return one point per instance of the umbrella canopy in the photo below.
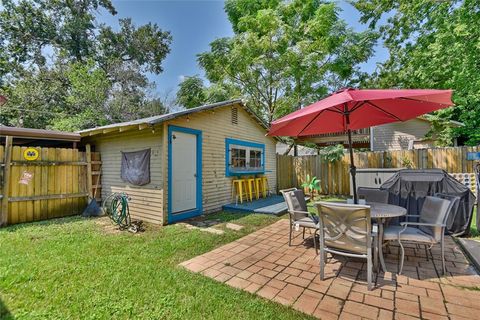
(353, 109)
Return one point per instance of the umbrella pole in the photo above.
(353, 170)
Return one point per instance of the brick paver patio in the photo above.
(262, 263)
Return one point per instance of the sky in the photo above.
(193, 25)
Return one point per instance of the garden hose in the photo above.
(116, 207)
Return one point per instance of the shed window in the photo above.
(255, 158)
(238, 157)
(244, 157)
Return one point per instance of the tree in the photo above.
(60, 68)
(147, 46)
(284, 54)
(191, 92)
(432, 44)
(29, 27)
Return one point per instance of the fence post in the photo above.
(88, 152)
(6, 180)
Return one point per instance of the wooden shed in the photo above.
(193, 156)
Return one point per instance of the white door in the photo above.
(184, 171)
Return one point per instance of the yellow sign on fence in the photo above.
(30, 154)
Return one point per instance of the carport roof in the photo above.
(39, 134)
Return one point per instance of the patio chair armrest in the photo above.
(306, 213)
(404, 224)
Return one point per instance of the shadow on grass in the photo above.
(230, 216)
(4, 312)
(48, 222)
(474, 233)
(241, 219)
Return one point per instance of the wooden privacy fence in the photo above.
(335, 179)
(56, 184)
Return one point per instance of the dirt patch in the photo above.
(107, 226)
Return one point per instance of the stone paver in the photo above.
(204, 228)
(262, 263)
(233, 226)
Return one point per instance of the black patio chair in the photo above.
(430, 229)
(373, 194)
(298, 213)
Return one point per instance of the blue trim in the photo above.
(228, 142)
(199, 209)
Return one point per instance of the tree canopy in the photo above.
(191, 92)
(61, 68)
(432, 44)
(285, 54)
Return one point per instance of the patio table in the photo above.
(381, 212)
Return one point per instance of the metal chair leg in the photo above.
(290, 236)
(303, 234)
(398, 259)
(369, 270)
(315, 241)
(322, 264)
(402, 256)
(322, 257)
(426, 253)
(444, 268)
(376, 261)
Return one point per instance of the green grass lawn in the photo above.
(474, 232)
(74, 268)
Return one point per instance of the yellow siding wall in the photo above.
(216, 126)
(146, 201)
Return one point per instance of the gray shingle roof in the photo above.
(169, 116)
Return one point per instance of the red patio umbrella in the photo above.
(353, 109)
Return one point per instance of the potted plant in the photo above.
(311, 185)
